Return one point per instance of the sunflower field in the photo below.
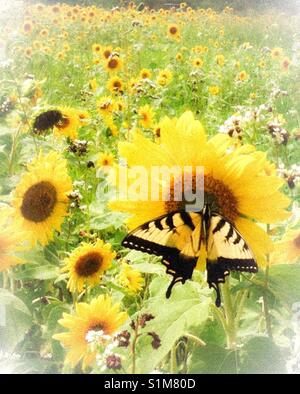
(88, 94)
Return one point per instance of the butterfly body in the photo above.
(181, 238)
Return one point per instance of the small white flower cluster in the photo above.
(109, 352)
(292, 174)
(232, 127)
(97, 336)
(278, 132)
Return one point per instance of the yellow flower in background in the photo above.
(164, 77)
(107, 52)
(262, 64)
(86, 265)
(220, 60)
(146, 116)
(27, 27)
(243, 76)
(113, 64)
(235, 179)
(69, 124)
(179, 57)
(287, 250)
(100, 315)
(106, 106)
(96, 48)
(173, 31)
(277, 53)
(106, 160)
(115, 85)
(130, 278)
(145, 73)
(40, 200)
(198, 62)
(214, 90)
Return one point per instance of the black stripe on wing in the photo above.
(178, 265)
(218, 270)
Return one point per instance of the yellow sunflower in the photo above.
(106, 52)
(106, 160)
(113, 64)
(96, 48)
(198, 62)
(164, 77)
(243, 76)
(288, 249)
(100, 315)
(106, 106)
(115, 85)
(145, 73)
(234, 180)
(146, 116)
(87, 263)
(214, 90)
(130, 278)
(69, 124)
(173, 31)
(220, 60)
(9, 240)
(40, 200)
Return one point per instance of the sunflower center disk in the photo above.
(216, 194)
(39, 202)
(89, 264)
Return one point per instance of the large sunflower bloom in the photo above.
(100, 314)
(87, 263)
(40, 200)
(234, 180)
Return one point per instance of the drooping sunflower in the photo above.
(130, 278)
(9, 241)
(113, 64)
(87, 263)
(146, 116)
(100, 315)
(40, 200)
(234, 180)
(288, 249)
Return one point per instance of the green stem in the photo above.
(195, 339)
(173, 362)
(229, 316)
(266, 305)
